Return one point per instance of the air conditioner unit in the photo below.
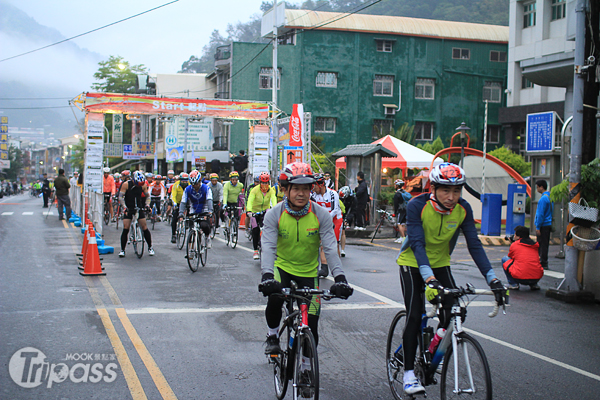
(390, 109)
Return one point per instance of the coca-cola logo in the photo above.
(296, 129)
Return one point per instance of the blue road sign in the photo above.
(540, 131)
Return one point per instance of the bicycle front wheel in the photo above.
(138, 243)
(376, 230)
(153, 216)
(180, 234)
(466, 372)
(213, 225)
(106, 217)
(192, 250)
(234, 233)
(281, 361)
(394, 355)
(306, 377)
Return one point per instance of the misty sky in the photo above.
(161, 40)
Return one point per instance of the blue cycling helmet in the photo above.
(139, 178)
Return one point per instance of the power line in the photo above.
(93, 30)
(31, 108)
(34, 98)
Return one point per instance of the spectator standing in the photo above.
(362, 197)
(240, 164)
(73, 180)
(62, 186)
(328, 181)
(543, 220)
(522, 265)
(46, 190)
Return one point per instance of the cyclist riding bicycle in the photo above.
(198, 198)
(401, 199)
(433, 222)
(109, 190)
(260, 199)
(217, 194)
(157, 194)
(329, 200)
(231, 191)
(246, 194)
(176, 194)
(131, 197)
(293, 232)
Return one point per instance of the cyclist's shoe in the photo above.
(272, 345)
(516, 286)
(342, 253)
(151, 251)
(173, 239)
(399, 240)
(413, 386)
(306, 379)
(255, 255)
(122, 253)
(535, 286)
(324, 271)
(209, 243)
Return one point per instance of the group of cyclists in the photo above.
(300, 223)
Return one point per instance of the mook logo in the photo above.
(29, 368)
(296, 129)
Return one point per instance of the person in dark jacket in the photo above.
(62, 186)
(522, 265)
(240, 164)
(362, 198)
(46, 191)
(400, 204)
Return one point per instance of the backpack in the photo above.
(406, 196)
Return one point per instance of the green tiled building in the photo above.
(363, 75)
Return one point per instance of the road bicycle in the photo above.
(254, 215)
(464, 373)
(296, 340)
(135, 234)
(154, 214)
(107, 205)
(196, 249)
(167, 205)
(232, 226)
(214, 219)
(384, 216)
(118, 212)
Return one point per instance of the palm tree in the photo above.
(406, 133)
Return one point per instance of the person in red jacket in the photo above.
(522, 265)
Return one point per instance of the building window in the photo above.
(383, 85)
(497, 56)
(493, 134)
(526, 83)
(327, 79)
(423, 130)
(528, 15)
(425, 89)
(559, 9)
(325, 125)
(461, 54)
(265, 78)
(382, 127)
(384, 46)
(491, 92)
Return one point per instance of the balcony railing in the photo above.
(223, 53)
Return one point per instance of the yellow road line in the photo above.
(65, 224)
(111, 292)
(133, 382)
(380, 245)
(161, 383)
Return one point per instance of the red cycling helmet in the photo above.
(298, 173)
(125, 173)
(264, 177)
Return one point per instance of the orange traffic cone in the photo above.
(84, 244)
(91, 263)
(82, 260)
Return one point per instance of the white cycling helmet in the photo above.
(447, 174)
(106, 170)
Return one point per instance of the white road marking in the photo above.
(28, 213)
(554, 274)
(238, 246)
(48, 213)
(536, 355)
(8, 213)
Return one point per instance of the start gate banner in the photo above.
(151, 105)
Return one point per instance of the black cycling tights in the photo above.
(125, 233)
(412, 288)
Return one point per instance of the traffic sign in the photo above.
(171, 140)
(540, 131)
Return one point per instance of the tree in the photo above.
(117, 76)
(77, 155)
(15, 156)
(433, 147)
(406, 133)
(513, 160)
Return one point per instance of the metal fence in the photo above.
(96, 209)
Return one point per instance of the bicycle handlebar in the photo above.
(470, 289)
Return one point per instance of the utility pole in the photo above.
(156, 120)
(274, 96)
(570, 284)
(185, 145)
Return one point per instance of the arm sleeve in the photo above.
(268, 240)
(220, 191)
(173, 190)
(415, 232)
(250, 203)
(273, 197)
(474, 244)
(337, 211)
(328, 240)
(208, 205)
(225, 192)
(511, 250)
(113, 187)
(396, 202)
(539, 213)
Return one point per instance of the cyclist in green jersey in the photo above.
(292, 234)
(231, 192)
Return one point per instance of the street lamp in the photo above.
(463, 129)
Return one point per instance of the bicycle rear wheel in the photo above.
(213, 225)
(394, 355)
(202, 246)
(192, 250)
(138, 242)
(280, 362)
(106, 216)
(181, 228)
(153, 218)
(306, 382)
(473, 378)
(376, 229)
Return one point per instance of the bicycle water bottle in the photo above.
(292, 334)
(436, 340)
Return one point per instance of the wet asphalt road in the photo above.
(153, 329)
